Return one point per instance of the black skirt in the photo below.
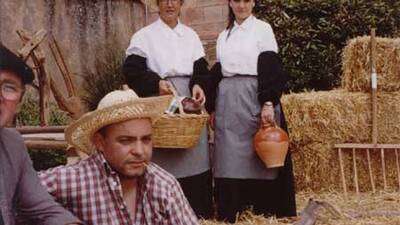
(198, 191)
(263, 197)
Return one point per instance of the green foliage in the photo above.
(44, 159)
(312, 33)
(107, 77)
(29, 113)
(29, 116)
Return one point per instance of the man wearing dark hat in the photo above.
(20, 188)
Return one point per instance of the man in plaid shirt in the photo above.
(118, 184)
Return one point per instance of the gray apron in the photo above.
(236, 121)
(184, 162)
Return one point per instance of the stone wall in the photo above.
(84, 27)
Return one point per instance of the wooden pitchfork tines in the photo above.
(368, 146)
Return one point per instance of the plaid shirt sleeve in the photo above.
(48, 178)
(181, 212)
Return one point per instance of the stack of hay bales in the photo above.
(319, 120)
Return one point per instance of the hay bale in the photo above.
(319, 120)
(341, 116)
(316, 168)
(356, 64)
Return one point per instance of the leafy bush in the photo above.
(29, 116)
(312, 33)
(108, 76)
(29, 112)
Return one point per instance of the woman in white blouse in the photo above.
(163, 55)
(248, 76)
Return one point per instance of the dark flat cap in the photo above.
(9, 61)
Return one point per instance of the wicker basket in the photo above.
(179, 130)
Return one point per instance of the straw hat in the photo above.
(152, 4)
(115, 107)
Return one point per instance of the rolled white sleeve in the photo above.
(267, 41)
(137, 45)
(198, 51)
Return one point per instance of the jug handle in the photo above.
(264, 124)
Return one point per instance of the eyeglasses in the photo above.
(171, 1)
(10, 91)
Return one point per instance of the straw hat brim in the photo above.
(79, 134)
(152, 4)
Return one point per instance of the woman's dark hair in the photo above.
(231, 19)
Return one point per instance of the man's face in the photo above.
(169, 10)
(11, 89)
(127, 146)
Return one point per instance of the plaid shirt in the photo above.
(92, 191)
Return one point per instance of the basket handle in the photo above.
(173, 90)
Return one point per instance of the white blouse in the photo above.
(238, 53)
(169, 52)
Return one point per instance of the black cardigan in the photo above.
(145, 82)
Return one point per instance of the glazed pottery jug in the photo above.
(271, 144)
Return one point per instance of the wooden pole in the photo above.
(44, 83)
(398, 167)
(383, 168)
(43, 144)
(36, 130)
(342, 172)
(355, 171)
(374, 86)
(72, 104)
(56, 52)
(44, 96)
(371, 177)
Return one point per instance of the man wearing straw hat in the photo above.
(169, 55)
(20, 188)
(118, 184)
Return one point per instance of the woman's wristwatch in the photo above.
(268, 103)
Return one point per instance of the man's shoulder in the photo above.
(11, 134)
(156, 174)
(13, 141)
(80, 168)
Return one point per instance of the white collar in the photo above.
(178, 29)
(246, 24)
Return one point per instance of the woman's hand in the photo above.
(198, 94)
(165, 87)
(267, 114)
(211, 120)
